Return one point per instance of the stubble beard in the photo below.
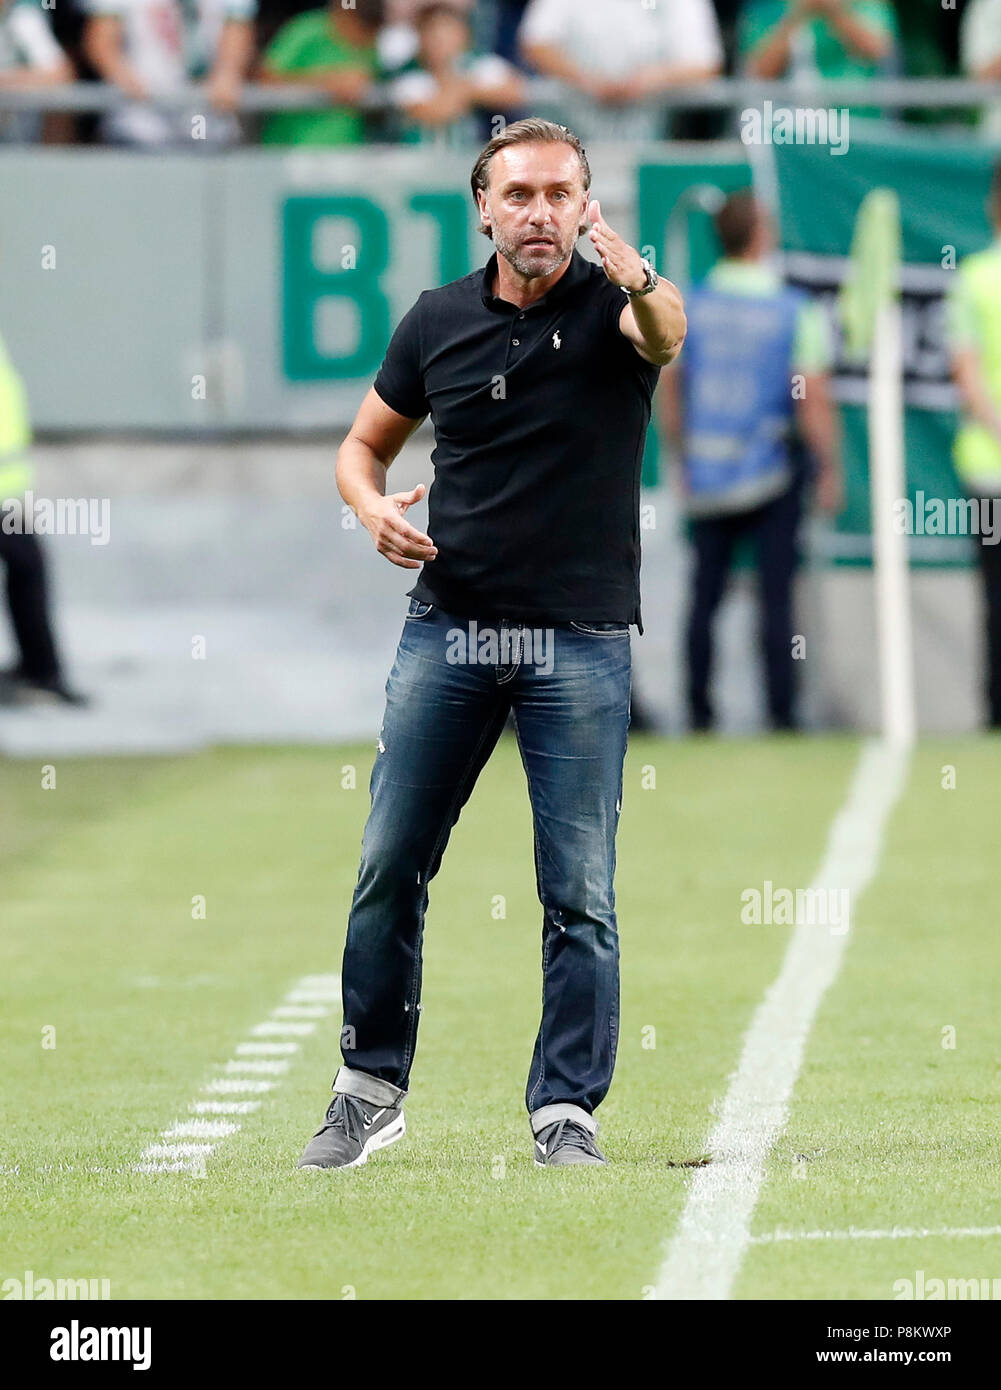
(532, 264)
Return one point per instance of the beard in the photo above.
(533, 263)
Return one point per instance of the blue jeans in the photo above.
(447, 699)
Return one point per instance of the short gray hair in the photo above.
(531, 131)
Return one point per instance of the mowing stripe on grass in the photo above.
(858, 1233)
(321, 991)
(704, 1257)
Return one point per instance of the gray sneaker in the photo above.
(351, 1130)
(565, 1142)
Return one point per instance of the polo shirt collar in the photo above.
(575, 272)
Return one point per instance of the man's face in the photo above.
(534, 205)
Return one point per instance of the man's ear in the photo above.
(481, 203)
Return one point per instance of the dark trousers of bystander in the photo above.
(989, 564)
(772, 530)
(28, 605)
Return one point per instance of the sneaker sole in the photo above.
(381, 1140)
(585, 1163)
(593, 1164)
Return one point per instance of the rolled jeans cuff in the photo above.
(562, 1110)
(349, 1082)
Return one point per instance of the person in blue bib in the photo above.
(753, 383)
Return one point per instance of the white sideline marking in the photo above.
(181, 1165)
(255, 1064)
(858, 1233)
(251, 1060)
(231, 1086)
(224, 1107)
(176, 1150)
(200, 1129)
(263, 1029)
(705, 1254)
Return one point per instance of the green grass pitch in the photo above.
(147, 1001)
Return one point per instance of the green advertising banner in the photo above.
(257, 290)
(942, 189)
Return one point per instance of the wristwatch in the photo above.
(652, 280)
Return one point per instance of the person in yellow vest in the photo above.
(974, 326)
(38, 674)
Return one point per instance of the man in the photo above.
(756, 363)
(613, 58)
(826, 38)
(38, 676)
(975, 338)
(152, 47)
(537, 372)
(30, 58)
(980, 54)
(440, 92)
(332, 48)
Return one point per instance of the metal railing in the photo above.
(721, 93)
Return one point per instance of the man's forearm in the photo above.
(236, 49)
(819, 424)
(26, 79)
(857, 35)
(551, 62)
(976, 401)
(360, 474)
(660, 321)
(771, 57)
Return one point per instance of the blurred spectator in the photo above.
(440, 88)
(614, 57)
(980, 40)
(29, 57)
(731, 407)
(149, 48)
(397, 41)
(826, 38)
(974, 333)
(334, 49)
(980, 53)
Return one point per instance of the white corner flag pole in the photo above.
(871, 316)
(888, 483)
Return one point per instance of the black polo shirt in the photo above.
(540, 417)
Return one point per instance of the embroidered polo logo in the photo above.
(557, 341)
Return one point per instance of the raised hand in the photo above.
(622, 263)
